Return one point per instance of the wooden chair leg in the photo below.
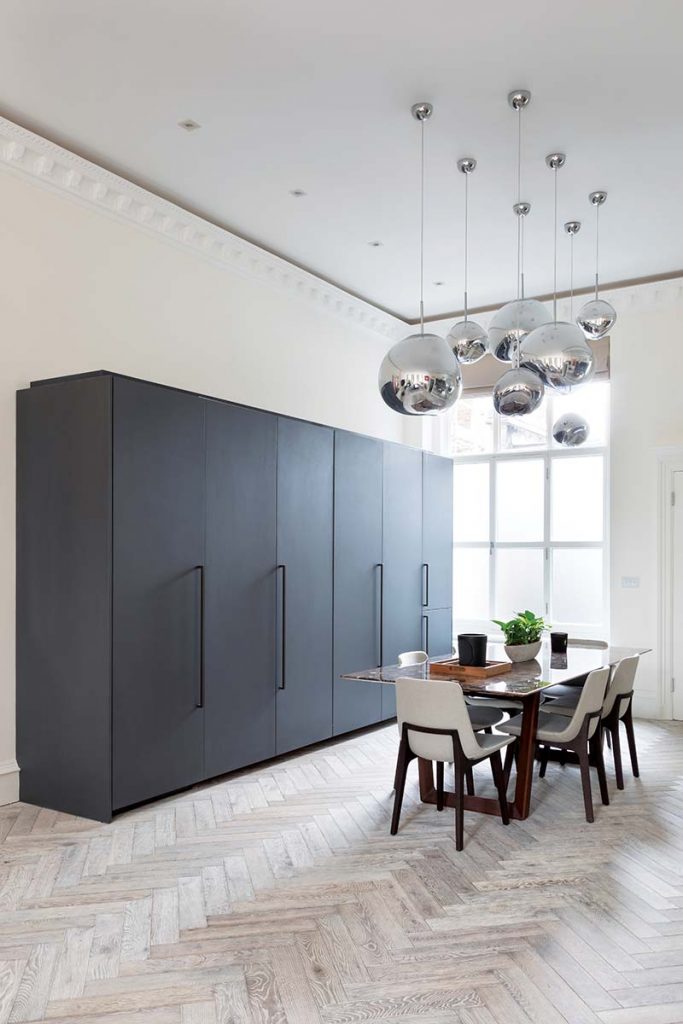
(469, 775)
(439, 785)
(400, 783)
(608, 737)
(599, 760)
(631, 736)
(586, 782)
(499, 780)
(616, 754)
(507, 767)
(544, 762)
(459, 771)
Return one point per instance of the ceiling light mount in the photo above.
(521, 209)
(555, 161)
(422, 111)
(597, 198)
(467, 164)
(572, 227)
(519, 99)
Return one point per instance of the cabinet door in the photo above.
(158, 552)
(304, 553)
(241, 460)
(357, 577)
(437, 632)
(437, 531)
(402, 547)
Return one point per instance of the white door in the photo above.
(677, 610)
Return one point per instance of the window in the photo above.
(530, 516)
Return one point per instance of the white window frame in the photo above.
(547, 455)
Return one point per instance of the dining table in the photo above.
(523, 682)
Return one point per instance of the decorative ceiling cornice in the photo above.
(35, 158)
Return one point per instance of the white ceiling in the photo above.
(315, 95)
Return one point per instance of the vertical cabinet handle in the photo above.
(425, 633)
(380, 566)
(199, 700)
(425, 584)
(283, 625)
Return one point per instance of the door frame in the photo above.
(670, 462)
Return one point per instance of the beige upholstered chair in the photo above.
(434, 724)
(413, 658)
(618, 708)
(579, 733)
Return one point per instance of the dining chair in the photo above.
(434, 724)
(618, 707)
(483, 716)
(412, 658)
(580, 734)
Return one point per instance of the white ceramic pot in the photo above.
(522, 652)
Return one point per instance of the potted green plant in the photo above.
(522, 635)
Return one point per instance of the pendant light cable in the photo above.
(571, 277)
(555, 253)
(597, 246)
(422, 226)
(467, 197)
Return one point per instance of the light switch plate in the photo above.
(630, 582)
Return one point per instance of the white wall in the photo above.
(647, 412)
(80, 291)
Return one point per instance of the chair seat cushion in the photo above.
(484, 718)
(564, 692)
(549, 727)
(558, 707)
(494, 702)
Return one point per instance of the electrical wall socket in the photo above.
(630, 582)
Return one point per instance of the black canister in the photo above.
(472, 648)
(558, 643)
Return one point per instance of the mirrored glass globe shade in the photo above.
(596, 318)
(468, 339)
(420, 375)
(571, 430)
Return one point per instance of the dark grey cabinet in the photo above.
(240, 594)
(64, 596)
(194, 577)
(158, 562)
(437, 632)
(304, 559)
(358, 471)
(402, 558)
(437, 531)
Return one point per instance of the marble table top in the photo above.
(523, 678)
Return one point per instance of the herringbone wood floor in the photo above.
(279, 897)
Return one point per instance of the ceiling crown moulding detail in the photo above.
(45, 163)
(34, 158)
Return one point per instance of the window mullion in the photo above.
(546, 534)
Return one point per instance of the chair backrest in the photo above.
(600, 644)
(412, 658)
(435, 704)
(621, 684)
(592, 699)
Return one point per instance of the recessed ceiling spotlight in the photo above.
(438, 284)
(189, 125)
(298, 193)
(375, 245)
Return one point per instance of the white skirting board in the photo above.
(9, 782)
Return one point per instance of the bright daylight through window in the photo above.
(530, 517)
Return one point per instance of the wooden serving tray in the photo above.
(452, 669)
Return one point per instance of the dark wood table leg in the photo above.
(521, 805)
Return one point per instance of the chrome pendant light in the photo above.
(420, 375)
(513, 321)
(597, 317)
(571, 430)
(558, 351)
(467, 338)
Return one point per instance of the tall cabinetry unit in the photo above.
(192, 576)
(437, 549)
